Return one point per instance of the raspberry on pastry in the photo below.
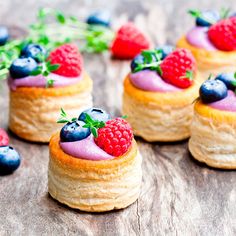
(212, 41)
(159, 92)
(41, 85)
(96, 172)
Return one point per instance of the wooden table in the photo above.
(179, 195)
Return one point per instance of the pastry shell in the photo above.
(213, 136)
(94, 186)
(159, 116)
(210, 62)
(34, 111)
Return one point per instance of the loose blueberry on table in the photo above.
(4, 35)
(9, 160)
(100, 18)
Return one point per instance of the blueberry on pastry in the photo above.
(40, 84)
(212, 41)
(213, 130)
(94, 164)
(159, 92)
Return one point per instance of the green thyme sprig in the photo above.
(53, 28)
(188, 75)
(93, 125)
(224, 13)
(45, 68)
(234, 81)
(151, 61)
(64, 118)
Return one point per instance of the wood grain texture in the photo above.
(179, 195)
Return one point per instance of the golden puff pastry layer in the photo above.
(34, 111)
(158, 116)
(94, 186)
(210, 62)
(213, 137)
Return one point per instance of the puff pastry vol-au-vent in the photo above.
(212, 42)
(213, 130)
(38, 89)
(159, 93)
(94, 163)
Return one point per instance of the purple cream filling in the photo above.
(85, 149)
(226, 104)
(198, 37)
(148, 80)
(40, 81)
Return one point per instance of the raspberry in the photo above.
(223, 34)
(178, 67)
(129, 42)
(115, 137)
(4, 139)
(69, 59)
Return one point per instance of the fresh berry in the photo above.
(4, 35)
(178, 67)
(74, 131)
(207, 18)
(139, 59)
(129, 42)
(212, 91)
(223, 34)
(96, 114)
(228, 79)
(33, 50)
(69, 59)
(4, 139)
(22, 67)
(99, 18)
(115, 137)
(9, 160)
(165, 50)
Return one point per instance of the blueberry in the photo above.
(4, 35)
(9, 160)
(208, 18)
(99, 18)
(95, 114)
(137, 60)
(22, 67)
(74, 131)
(228, 79)
(166, 50)
(32, 50)
(212, 91)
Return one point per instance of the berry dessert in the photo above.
(9, 157)
(213, 130)
(94, 163)
(42, 82)
(129, 42)
(212, 41)
(159, 92)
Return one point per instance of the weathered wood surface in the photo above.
(179, 196)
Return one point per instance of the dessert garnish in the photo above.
(100, 18)
(220, 27)
(4, 35)
(114, 136)
(9, 157)
(215, 89)
(129, 41)
(175, 67)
